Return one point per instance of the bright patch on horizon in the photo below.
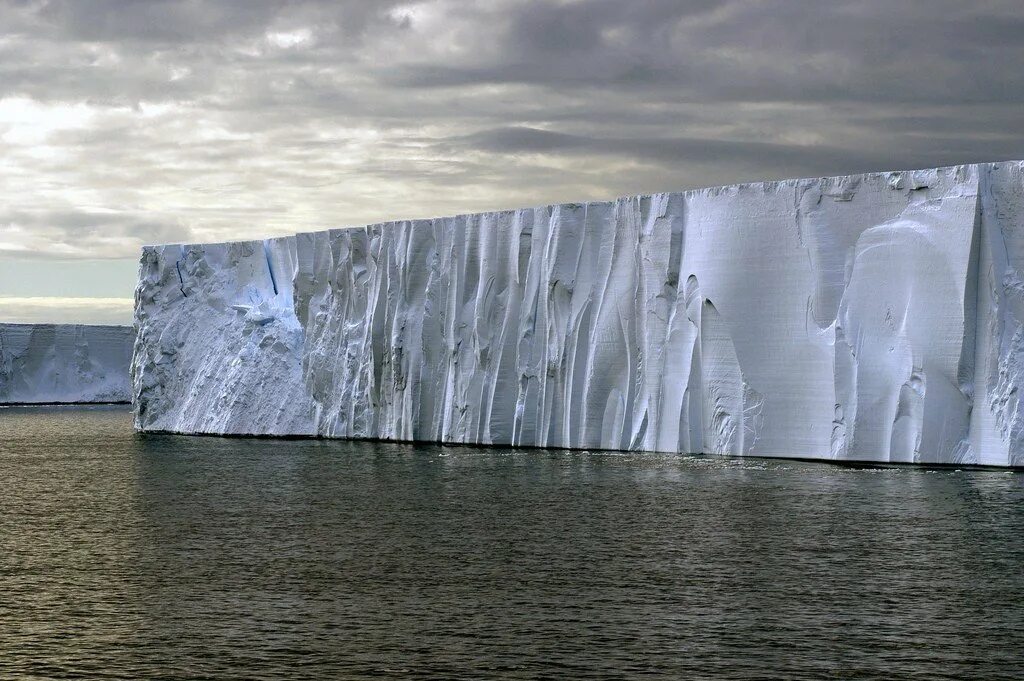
(26, 121)
(289, 39)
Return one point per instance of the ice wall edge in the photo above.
(875, 317)
(65, 363)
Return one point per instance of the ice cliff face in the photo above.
(64, 363)
(874, 317)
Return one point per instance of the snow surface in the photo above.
(874, 317)
(64, 363)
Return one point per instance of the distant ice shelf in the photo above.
(64, 363)
(875, 317)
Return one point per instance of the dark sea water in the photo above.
(127, 556)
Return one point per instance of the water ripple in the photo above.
(125, 557)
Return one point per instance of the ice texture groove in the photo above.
(65, 363)
(875, 317)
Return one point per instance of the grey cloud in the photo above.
(176, 22)
(70, 233)
(784, 159)
(71, 310)
(198, 126)
(806, 159)
(794, 50)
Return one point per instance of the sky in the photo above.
(129, 122)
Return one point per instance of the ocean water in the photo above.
(144, 557)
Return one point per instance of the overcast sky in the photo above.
(125, 122)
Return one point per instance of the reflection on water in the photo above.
(161, 556)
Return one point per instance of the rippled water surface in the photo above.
(123, 556)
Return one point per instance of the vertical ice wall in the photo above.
(64, 363)
(219, 348)
(875, 317)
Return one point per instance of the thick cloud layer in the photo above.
(52, 310)
(125, 122)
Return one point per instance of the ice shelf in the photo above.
(875, 317)
(64, 363)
